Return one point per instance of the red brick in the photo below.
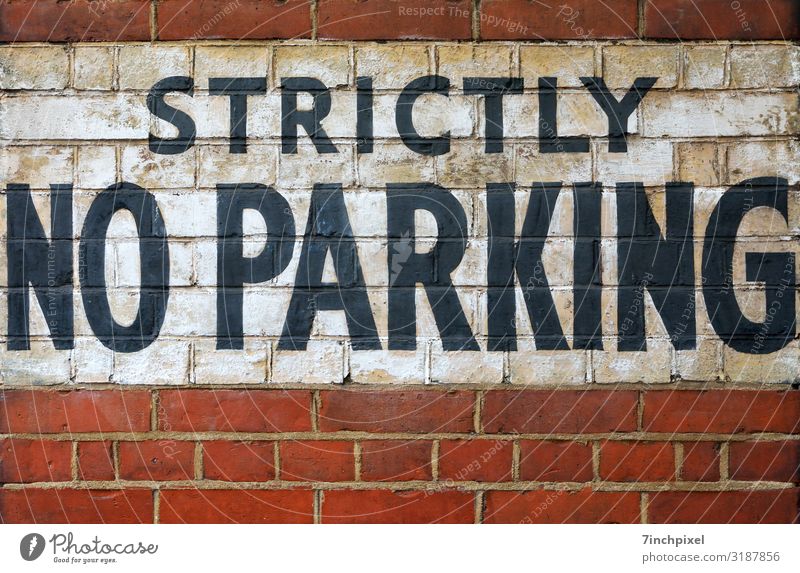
(721, 411)
(95, 461)
(550, 506)
(552, 411)
(76, 506)
(233, 19)
(395, 460)
(717, 20)
(382, 506)
(637, 461)
(384, 410)
(74, 20)
(475, 460)
(235, 410)
(34, 460)
(395, 19)
(770, 506)
(73, 411)
(558, 19)
(236, 506)
(317, 460)
(156, 460)
(765, 461)
(700, 461)
(555, 461)
(239, 461)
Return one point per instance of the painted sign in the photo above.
(384, 209)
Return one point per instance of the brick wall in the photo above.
(185, 430)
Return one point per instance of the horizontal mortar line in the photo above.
(233, 435)
(275, 140)
(429, 486)
(231, 42)
(350, 88)
(780, 387)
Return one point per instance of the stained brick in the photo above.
(767, 461)
(545, 411)
(236, 506)
(381, 506)
(235, 410)
(557, 19)
(74, 21)
(396, 411)
(76, 506)
(237, 20)
(395, 460)
(561, 506)
(713, 20)
(239, 461)
(555, 461)
(779, 506)
(393, 20)
(39, 411)
(34, 460)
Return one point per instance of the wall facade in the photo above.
(496, 261)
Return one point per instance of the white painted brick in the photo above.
(329, 64)
(770, 66)
(49, 367)
(394, 66)
(465, 367)
(152, 170)
(623, 64)
(704, 66)
(459, 61)
(393, 163)
(229, 62)
(529, 365)
(112, 117)
(36, 166)
(141, 66)
(320, 363)
(94, 68)
(97, 167)
(215, 164)
(92, 362)
(303, 169)
(764, 159)
(381, 366)
(567, 63)
(34, 68)
(165, 361)
(719, 114)
(248, 365)
(647, 161)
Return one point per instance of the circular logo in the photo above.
(31, 546)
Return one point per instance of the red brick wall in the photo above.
(679, 452)
(399, 455)
(127, 20)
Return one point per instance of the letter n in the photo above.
(44, 264)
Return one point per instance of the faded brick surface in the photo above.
(185, 432)
(672, 137)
